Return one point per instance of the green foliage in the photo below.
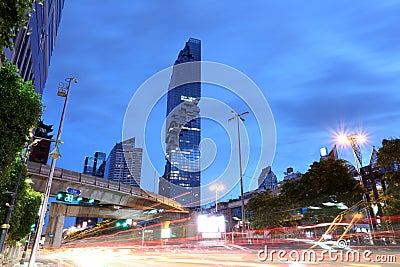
(392, 194)
(268, 210)
(13, 14)
(388, 154)
(27, 203)
(324, 180)
(28, 208)
(20, 109)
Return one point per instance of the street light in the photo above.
(354, 141)
(217, 187)
(237, 117)
(63, 91)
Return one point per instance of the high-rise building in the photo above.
(34, 46)
(267, 180)
(124, 163)
(181, 179)
(99, 164)
(88, 165)
(95, 166)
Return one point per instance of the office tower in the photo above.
(267, 180)
(95, 166)
(34, 46)
(124, 163)
(99, 164)
(181, 179)
(88, 165)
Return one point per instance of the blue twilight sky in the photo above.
(323, 66)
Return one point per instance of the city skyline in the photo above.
(321, 71)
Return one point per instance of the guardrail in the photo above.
(72, 176)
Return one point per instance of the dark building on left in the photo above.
(34, 46)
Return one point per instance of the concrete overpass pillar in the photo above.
(56, 224)
(164, 236)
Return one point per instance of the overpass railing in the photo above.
(68, 175)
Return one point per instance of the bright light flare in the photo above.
(360, 138)
(343, 139)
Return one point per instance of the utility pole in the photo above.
(63, 91)
(238, 117)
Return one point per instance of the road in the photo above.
(220, 256)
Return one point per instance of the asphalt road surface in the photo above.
(229, 256)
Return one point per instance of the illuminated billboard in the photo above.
(211, 224)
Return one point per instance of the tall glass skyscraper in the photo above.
(34, 46)
(124, 163)
(181, 179)
(95, 166)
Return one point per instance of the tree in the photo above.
(267, 210)
(389, 156)
(389, 153)
(20, 109)
(13, 15)
(327, 180)
(28, 202)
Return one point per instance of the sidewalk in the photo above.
(38, 264)
(41, 263)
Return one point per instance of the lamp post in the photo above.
(354, 141)
(217, 187)
(63, 91)
(239, 117)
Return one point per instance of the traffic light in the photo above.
(84, 200)
(66, 197)
(33, 228)
(153, 211)
(122, 223)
